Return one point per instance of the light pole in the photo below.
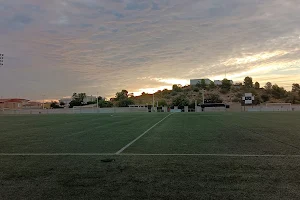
(43, 101)
(97, 101)
(153, 102)
(203, 96)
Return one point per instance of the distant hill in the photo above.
(189, 94)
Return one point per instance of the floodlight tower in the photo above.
(1, 59)
(203, 96)
(97, 101)
(153, 101)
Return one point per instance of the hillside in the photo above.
(191, 93)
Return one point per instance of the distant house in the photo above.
(14, 103)
(218, 82)
(195, 81)
(33, 105)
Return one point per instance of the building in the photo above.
(195, 81)
(89, 99)
(218, 82)
(33, 105)
(47, 105)
(11, 104)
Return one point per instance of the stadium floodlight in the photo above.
(1, 59)
(97, 102)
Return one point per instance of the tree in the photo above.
(176, 88)
(162, 102)
(122, 95)
(256, 85)
(81, 96)
(295, 87)
(77, 99)
(105, 104)
(74, 103)
(268, 86)
(278, 92)
(215, 98)
(100, 98)
(54, 104)
(122, 99)
(265, 97)
(180, 101)
(248, 82)
(212, 85)
(125, 102)
(202, 84)
(226, 85)
(291, 98)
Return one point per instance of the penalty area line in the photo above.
(133, 141)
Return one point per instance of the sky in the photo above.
(54, 48)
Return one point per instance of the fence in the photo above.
(73, 111)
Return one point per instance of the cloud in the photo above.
(86, 25)
(107, 45)
(137, 5)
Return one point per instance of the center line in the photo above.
(133, 141)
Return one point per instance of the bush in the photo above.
(162, 103)
(196, 89)
(125, 103)
(239, 95)
(215, 98)
(224, 91)
(180, 101)
(173, 93)
(176, 88)
(236, 99)
(168, 96)
(265, 97)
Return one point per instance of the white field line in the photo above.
(57, 154)
(133, 154)
(133, 141)
(213, 155)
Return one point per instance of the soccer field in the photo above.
(153, 156)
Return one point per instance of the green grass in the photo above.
(151, 176)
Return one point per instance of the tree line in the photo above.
(179, 97)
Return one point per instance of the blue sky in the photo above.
(58, 47)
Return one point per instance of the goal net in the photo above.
(279, 106)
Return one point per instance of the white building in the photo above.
(218, 82)
(89, 99)
(195, 81)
